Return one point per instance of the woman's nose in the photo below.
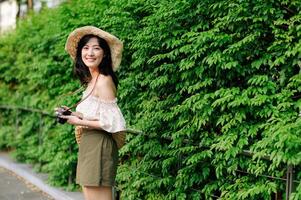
(91, 52)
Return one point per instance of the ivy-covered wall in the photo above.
(204, 80)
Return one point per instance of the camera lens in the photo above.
(61, 120)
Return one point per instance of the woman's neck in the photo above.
(94, 74)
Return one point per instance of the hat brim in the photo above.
(116, 46)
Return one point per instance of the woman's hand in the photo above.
(59, 110)
(72, 119)
(77, 114)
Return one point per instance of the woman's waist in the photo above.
(86, 130)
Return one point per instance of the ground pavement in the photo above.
(19, 182)
(13, 187)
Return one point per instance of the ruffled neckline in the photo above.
(100, 100)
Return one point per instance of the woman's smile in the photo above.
(90, 59)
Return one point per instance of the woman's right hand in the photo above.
(77, 114)
(59, 110)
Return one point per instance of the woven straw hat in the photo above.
(116, 46)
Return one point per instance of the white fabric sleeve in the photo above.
(111, 118)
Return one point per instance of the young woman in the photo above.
(97, 54)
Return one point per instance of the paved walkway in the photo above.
(13, 187)
(19, 182)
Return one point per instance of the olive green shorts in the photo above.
(97, 159)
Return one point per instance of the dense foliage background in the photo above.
(203, 80)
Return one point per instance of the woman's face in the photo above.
(92, 53)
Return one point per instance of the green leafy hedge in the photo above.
(203, 80)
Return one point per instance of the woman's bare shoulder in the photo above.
(105, 88)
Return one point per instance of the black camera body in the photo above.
(62, 111)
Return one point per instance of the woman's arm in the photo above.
(74, 120)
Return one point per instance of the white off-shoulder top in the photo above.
(107, 113)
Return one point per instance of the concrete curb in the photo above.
(23, 171)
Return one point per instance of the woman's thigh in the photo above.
(97, 193)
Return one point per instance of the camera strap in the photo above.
(85, 96)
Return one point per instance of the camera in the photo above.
(62, 111)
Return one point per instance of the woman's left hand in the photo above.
(71, 119)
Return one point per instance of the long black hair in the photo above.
(105, 67)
